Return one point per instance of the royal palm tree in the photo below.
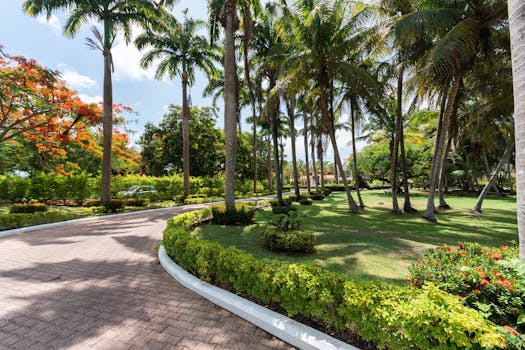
(116, 16)
(179, 49)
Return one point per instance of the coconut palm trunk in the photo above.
(443, 177)
(517, 28)
(440, 148)
(305, 139)
(397, 135)
(354, 156)
(485, 191)
(320, 156)
(107, 118)
(290, 106)
(277, 162)
(185, 134)
(352, 205)
(407, 206)
(485, 160)
(231, 23)
(314, 167)
(269, 162)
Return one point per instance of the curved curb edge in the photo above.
(291, 331)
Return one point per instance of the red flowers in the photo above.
(484, 282)
(496, 256)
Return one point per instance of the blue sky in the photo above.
(81, 68)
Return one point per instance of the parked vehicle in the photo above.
(139, 191)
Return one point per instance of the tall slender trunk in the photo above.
(485, 160)
(407, 206)
(231, 23)
(354, 156)
(274, 120)
(352, 205)
(305, 136)
(336, 173)
(443, 176)
(398, 125)
(107, 118)
(517, 28)
(485, 191)
(290, 105)
(509, 174)
(269, 161)
(185, 135)
(314, 167)
(246, 47)
(320, 156)
(440, 148)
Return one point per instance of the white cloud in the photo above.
(53, 22)
(126, 59)
(90, 99)
(77, 80)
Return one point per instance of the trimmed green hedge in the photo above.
(28, 208)
(388, 315)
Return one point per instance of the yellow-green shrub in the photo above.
(391, 316)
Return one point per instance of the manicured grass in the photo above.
(375, 244)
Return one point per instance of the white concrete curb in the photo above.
(291, 331)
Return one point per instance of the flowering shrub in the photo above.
(486, 278)
(388, 315)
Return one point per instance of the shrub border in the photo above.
(291, 331)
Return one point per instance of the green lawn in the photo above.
(376, 244)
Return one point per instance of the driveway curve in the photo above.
(98, 285)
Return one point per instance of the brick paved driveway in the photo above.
(98, 285)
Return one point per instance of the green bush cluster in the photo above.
(12, 221)
(482, 276)
(28, 208)
(241, 215)
(391, 316)
(115, 205)
(296, 241)
(306, 201)
(316, 196)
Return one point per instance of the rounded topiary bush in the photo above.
(306, 201)
(317, 196)
(297, 241)
(115, 205)
(28, 208)
(283, 210)
(241, 215)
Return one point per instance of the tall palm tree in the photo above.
(115, 16)
(179, 49)
(458, 31)
(517, 28)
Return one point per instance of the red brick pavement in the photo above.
(98, 285)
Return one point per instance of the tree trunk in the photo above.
(107, 118)
(320, 156)
(517, 28)
(407, 207)
(269, 160)
(314, 167)
(354, 157)
(485, 160)
(290, 105)
(397, 135)
(230, 101)
(509, 175)
(185, 135)
(485, 191)
(443, 176)
(336, 174)
(440, 148)
(305, 135)
(352, 205)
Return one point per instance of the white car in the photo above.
(137, 192)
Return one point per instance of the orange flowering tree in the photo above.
(39, 113)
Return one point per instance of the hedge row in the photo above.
(79, 187)
(385, 314)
